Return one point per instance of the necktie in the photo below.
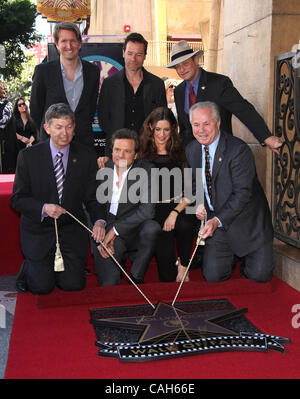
(207, 173)
(192, 97)
(59, 174)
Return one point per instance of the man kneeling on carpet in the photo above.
(52, 178)
(130, 206)
(239, 220)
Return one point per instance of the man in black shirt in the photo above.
(128, 96)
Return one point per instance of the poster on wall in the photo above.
(108, 57)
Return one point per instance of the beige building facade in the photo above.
(241, 39)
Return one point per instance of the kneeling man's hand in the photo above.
(53, 210)
(109, 244)
(210, 227)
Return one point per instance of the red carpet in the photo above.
(56, 340)
(10, 250)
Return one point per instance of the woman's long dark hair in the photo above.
(17, 112)
(174, 146)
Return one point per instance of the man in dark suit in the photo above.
(69, 80)
(130, 210)
(128, 96)
(200, 85)
(239, 220)
(44, 189)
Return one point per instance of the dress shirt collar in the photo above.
(78, 70)
(195, 84)
(64, 151)
(212, 147)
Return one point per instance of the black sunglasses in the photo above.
(20, 104)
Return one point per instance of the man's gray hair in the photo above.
(206, 104)
(58, 111)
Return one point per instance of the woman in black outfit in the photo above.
(160, 144)
(26, 131)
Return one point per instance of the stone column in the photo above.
(211, 52)
(96, 19)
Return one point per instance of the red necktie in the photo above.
(192, 97)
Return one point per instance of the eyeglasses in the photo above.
(171, 87)
(21, 104)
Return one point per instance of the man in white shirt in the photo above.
(130, 228)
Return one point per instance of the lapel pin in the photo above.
(74, 160)
(220, 159)
(203, 87)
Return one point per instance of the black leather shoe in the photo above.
(21, 286)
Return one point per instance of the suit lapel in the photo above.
(119, 97)
(110, 165)
(201, 93)
(197, 155)
(219, 157)
(147, 94)
(70, 172)
(181, 96)
(59, 83)
(47, 162)
(86, 80)
(124, 200)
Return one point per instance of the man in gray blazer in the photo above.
(238, 216)
(125, 187)
(128, 96)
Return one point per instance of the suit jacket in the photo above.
(238, 198)
(131, 213)
(48, 88)
(35, 185)
(112, 102)
(220, 90)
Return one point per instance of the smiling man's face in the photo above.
(205, 126)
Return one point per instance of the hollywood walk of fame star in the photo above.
(167, 320)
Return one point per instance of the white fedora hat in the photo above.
(181, 51)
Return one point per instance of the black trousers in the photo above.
(141, 245)
(181, 237)
(39, 274)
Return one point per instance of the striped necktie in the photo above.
(59, 174)
(207, 173)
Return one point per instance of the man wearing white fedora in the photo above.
(200, 85)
